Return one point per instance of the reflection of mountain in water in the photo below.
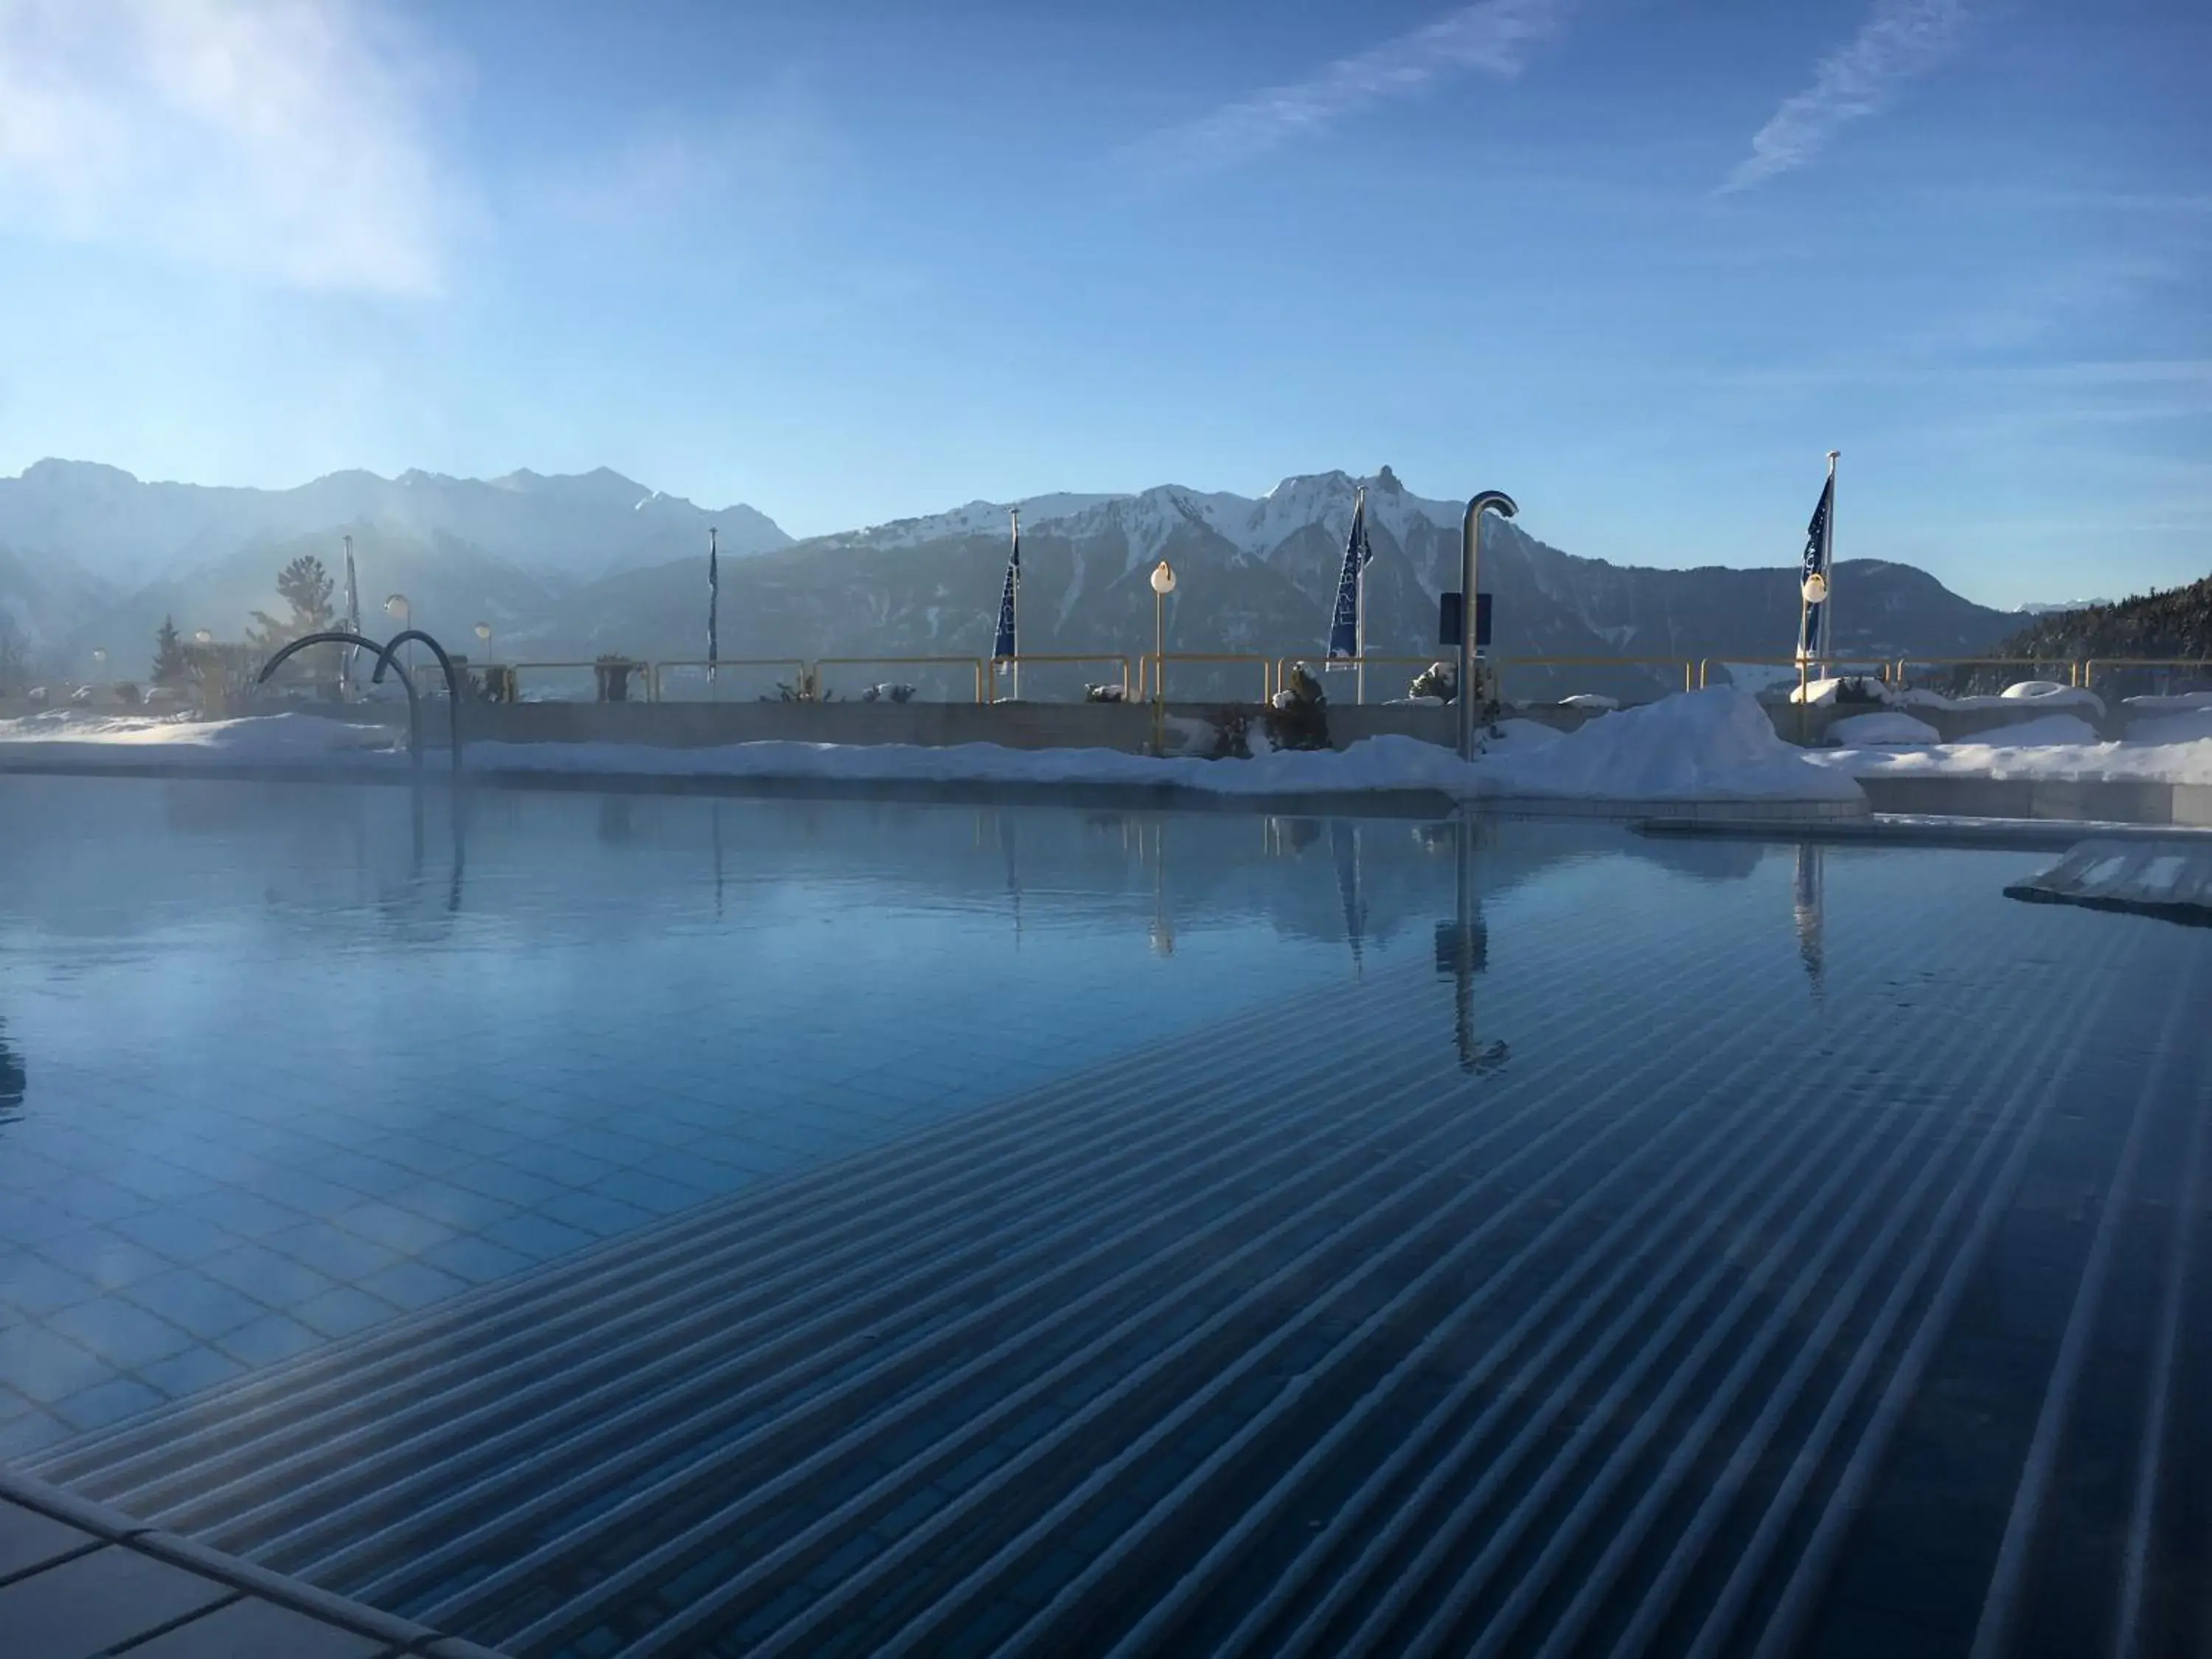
(99, 858)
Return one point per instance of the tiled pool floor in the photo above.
(1712, 1250)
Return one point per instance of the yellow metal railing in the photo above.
(2088, 669)
(1157, 662)
(1687, 664)
(658, 669)
(634, 666)
(1323, 664)
(1907, 665)
(1027, 660)
(1827, 667)
(972, 664)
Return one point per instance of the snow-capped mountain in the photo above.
(561, 529)
(1258, 574)
(1255, 575)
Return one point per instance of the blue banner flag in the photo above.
(1007, 644)
(1812, 638)
(1344, 638)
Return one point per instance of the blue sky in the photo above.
(1638, 263)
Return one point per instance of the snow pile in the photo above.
(2035, 734)
(2172, 703)
(2059, 747)
(1886, 726)
(1848, 688)
(1712, 745)
(263, 737)
(2047, 694)
(1594, 701)
(2184, 727)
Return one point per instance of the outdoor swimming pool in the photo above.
(657, 1224)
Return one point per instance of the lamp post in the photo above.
(1164, 581)
(1470, 532)
(483, 633)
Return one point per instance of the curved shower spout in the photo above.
(384, 657)
(1470, 540)
(390, 658)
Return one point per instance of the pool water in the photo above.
(654, 1224)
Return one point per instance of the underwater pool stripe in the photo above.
(1785, 1623)
(575, 1615)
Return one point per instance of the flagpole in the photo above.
(714, 602)
(1828, 570)
(1017, 513)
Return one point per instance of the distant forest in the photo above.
(2177, 622)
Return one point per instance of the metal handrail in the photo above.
(1156, 661)
(652, 670)
(1881, 665)
(384, 655)
(1025, 658)
(976, 663)
(2089, 666)
(389, 658)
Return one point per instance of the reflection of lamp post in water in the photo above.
(1164, 581)
(1162, 930)
(1463, 948)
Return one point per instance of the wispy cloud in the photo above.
(1494, 38)
(1900, 40)
(289, 139)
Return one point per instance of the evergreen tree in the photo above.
(306, 586)
(172, 664)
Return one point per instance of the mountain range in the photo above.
(570, 567)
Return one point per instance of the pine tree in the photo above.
(306, 587)
(173, 666)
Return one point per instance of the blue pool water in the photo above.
(286, 1074)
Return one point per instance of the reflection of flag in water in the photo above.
(1009, 847)
(1813, 635)
(1344, 844)
(1346, 637)
(1809, 907)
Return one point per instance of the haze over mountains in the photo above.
(574, 566)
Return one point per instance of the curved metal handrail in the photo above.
(389, 659)
(344, 636)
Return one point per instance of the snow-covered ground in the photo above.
(1703, 746)
(2170, 749)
